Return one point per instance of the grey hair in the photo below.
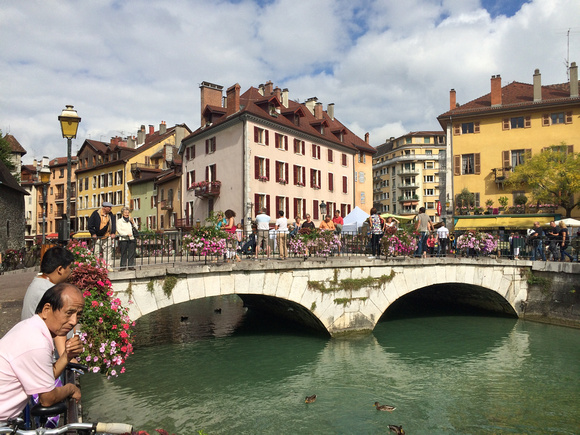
(125, 208)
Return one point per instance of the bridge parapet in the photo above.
(338, 295)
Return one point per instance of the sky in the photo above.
(387, 65)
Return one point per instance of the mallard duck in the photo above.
(384, 407)
(397, 429)
(310, 399)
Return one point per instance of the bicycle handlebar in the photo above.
(114, 428)
(109, 428)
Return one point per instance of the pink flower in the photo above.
(94, 304)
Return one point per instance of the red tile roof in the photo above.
(252, 102)
(14, 144)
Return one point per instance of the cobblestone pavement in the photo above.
(13, 286)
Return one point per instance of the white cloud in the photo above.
(387, 65)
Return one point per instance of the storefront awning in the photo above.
(496, 221)
(398, 217)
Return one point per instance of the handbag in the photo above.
(135, 231)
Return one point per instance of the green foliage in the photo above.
(169, 284)
(552, 176)
(503, 201)
(350, 284)
(6, 153)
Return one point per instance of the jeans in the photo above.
(128, 252)
(376, 244)
(538, 249)
(564, 253)
(422, 243)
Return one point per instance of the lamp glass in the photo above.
(69, 122)
(45, 175)
(323, 208)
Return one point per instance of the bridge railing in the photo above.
(170, 247)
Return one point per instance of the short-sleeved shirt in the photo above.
(26, 358)
(263, 222)
(282, 224)
(443, 233)
(423, 219)
(338, 220)
(34, 294)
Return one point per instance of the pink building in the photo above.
(260, 149)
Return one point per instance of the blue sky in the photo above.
(388, 65)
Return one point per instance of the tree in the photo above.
(6, 153)
(552, 176)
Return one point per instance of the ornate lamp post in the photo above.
(44, 180)
(69, 124)
(323, 209)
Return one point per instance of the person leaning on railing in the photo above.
(126, 228)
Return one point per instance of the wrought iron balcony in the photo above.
(166, 204)
(206, 189)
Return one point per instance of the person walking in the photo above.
(102, 227)
(281, 228)
(553, 237)
(424, 225)
(376, 224)
(263, 226)
(535, 238)
(564, 242)
(126, 228)
(443, 236)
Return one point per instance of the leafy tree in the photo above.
(552, 176)
(6, 153)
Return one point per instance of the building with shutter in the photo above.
(489, 136)
(261, 149)
(408, 173)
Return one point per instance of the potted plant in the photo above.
(489, 206)
(503, 202)
(520, 203)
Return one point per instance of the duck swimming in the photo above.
(310, 399)
(384, 407)
(397, 429)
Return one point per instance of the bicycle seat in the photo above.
(43, 411)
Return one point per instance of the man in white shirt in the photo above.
(443, 236)
(281, 233)
(263, 224)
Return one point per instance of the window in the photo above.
(299, 175)
(299, 147)
(282, 203)
(190, 153)
(190, 178)
(118, 178)
(408, 140)
(430, 205)
(344, 184)
(556, 118)
(517, 122)
(211, 173)
(362, 158)
(316, 151)
(429, 178)
(262, 201)
(136, 203)
(330, 156)
(110, 179)
(426, 140)
(429, 192)
(261, 136)
(513, 158)
(331, 181)
(517, 157)
(119, 197)
(300, 207)
(261, 168)
(464, 164)
(281, 172)
(429, 165)
(210, 145)
(315, 178)
(61, 173)
(428, 152)
(344, 160)
(281, 142)
(466, 128)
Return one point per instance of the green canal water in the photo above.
(237, 373)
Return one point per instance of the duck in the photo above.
(397, 429)
(310, 399)
(384, 407)
(184, 318)
(217, 311)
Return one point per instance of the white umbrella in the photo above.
(569, 222)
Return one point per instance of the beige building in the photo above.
(261, 149)
(407, 174)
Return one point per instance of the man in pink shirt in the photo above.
(26, 352)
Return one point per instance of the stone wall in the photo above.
(12, 222)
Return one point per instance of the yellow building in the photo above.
(489, 136)
(407, 174)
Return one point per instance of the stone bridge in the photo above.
(338, 295)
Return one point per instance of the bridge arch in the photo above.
(340, 296)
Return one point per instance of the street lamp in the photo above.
(323, 209)
(44, 180)
(69, 124)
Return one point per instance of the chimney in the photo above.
(537, 85)
(285, 97)
(233, 100)
(278, 93)
(573, 80)
(141, 136)
(115, 141)
(131, 142)
(162, 127)
(367, 138)
(310, 104)
(151, 129)
(261, 89)
(330, 111)
(211, 95)
(452, 99)
(168, 153)
(496, 90)
(318, 111)
(268, 88)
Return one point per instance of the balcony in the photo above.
(206, 189)
(408, 171)
(501, 175)
(184, 224)
(408, 186)
(166, 204)
(409, 200)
